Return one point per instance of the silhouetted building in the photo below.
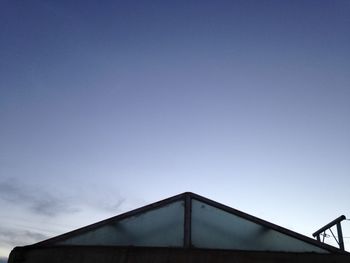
(184, 228)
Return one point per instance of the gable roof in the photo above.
(190, 220)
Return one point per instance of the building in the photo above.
(183, 228)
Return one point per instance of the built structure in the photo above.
(183, 228)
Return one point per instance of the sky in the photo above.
(106, 106)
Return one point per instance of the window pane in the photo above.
(215, 228)
(158, 227)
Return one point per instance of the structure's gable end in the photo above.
(215, 228)
(189, 220)
(157, 227)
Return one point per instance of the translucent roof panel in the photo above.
(158, 227)
(189, 220)
(218, 229)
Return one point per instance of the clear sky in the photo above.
(106, 106)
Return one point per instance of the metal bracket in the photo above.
(323, 230)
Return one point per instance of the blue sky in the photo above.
(107, 106)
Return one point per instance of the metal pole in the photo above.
(188, 217)
(340, 236)
(318, 238)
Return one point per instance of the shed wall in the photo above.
(85, 254)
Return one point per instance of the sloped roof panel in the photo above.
(161, 227)
(218, 229)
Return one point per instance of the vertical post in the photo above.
(187, 223)
(318, 238)
(340, 236)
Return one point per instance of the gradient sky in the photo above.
(106, 106)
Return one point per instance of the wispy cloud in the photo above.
(12, 237)
(108, 206)
(41, 204)
(37, 201)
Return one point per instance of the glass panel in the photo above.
(161, 227)
(215, 228)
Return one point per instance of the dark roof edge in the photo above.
(134, 212)
(267, 224)
(24, 248)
